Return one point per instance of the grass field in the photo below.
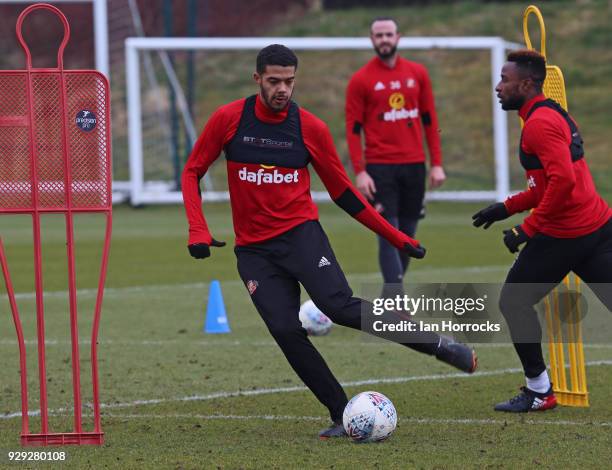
(177, 398)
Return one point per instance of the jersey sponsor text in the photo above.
(399, 114)
(263, 177)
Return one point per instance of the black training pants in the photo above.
(273, 271)
(400, 190)
(543, 263)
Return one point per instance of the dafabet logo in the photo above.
(261, 176)
(398, 112)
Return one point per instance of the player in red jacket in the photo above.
(569, 229)
(268, 143)
(390, 101)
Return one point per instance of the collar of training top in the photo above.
(524, 111)
(265, 114)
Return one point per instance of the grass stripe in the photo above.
(268, 391)
(412, 420)
(354, 277)
(232, 343)
(465, 421)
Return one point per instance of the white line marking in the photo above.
(268, 391)
(401, 419)
(112, 291)
(505, 422)
(223, 342)
(468, 421)
(211, 417)
(153, 342)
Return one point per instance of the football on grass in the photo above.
(314, 321)
(369, 417)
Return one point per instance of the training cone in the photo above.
(216, 318)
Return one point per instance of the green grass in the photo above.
(152, 348)
(151, 341)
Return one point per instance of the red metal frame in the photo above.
(61, 169)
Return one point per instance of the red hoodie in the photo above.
(263, 211)
(562, 193)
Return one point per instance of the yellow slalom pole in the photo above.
(554, 362)
(558, 344)
(579, 347)
(571, 337)
(535, 10)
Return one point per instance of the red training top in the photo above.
(390, 104)
(563, 194)
(264, 203)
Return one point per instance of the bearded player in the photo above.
(390, 102)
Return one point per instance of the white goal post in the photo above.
(142, 192)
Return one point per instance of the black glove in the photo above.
(414, 251)
(202, 250)
(514, 238)
(491, 214)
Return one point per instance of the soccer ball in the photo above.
(369, 417)
(314, 321)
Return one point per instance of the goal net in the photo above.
(166, 110)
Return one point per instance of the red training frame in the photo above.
(55, 157)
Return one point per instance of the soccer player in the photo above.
(268, 143)
(569, 229)
(390, 100)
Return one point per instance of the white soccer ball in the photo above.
(369, 416)
(314, 321)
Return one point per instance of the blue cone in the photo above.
(216, 318)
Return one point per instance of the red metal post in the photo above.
(20, 341)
